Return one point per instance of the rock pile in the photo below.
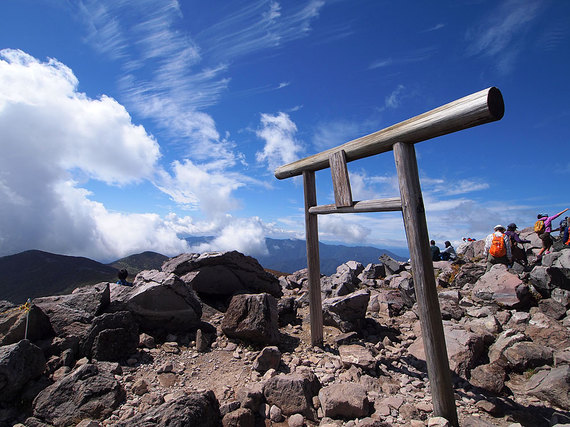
(214, 340)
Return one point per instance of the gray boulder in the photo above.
(112, 337)
(252, 317)
(223, 274)
(389, 301)
(506, 339)
(347, 312)
(268, 358)
(287, 311)
(293, 393)
(468, 275)
(19, 363)
(91, 391)
(193, 409)
(372, 272)
(524, 355)
(490, 377)
(160, 300)
(546, 331)
(344, 400)
(551, 385)
(471, 250)
(449, 305)
(391, 266)
(464, 348)
(79, 307)
(241, 417)
(357, 355)
(502, 288)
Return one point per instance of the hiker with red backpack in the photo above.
(497, 248)
(543, 227)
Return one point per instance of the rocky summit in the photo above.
(212, 339)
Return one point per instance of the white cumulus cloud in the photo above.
(281, 147)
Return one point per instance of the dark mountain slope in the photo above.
(136, 263)
(34, 273)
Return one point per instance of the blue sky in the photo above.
(126, 125)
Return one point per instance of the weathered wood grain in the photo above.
(481, 107)
(377, 205)
(313, 260)
(341, 182)
(424, 282)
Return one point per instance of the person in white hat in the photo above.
(497, 248)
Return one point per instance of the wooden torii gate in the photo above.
(479, 108)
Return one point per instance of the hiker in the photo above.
(448, 254)
(497, 248)
(564, 230)
(122, 275)
(519, 254)
(435, 253)
(543, 227)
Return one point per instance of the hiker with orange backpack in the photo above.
(543, 227)
(497, 248)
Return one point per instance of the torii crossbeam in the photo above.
(479, 108)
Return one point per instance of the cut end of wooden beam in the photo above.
(496, 103)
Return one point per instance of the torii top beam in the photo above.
(476, 109)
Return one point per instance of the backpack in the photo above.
(563, 224)
(539, 226)
(498, 248)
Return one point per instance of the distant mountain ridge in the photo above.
(35, 273)
(289, 255)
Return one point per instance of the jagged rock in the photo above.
(251, 396)
(79, 307)
(298, 279)
(223, 274)
(112, 337)
(546, 331)
(506, 339)
(17, 323)
(468, 275)
(561, 296)
(347, 312)
(525, 354)
(268, 358)
(160, 301)
(391, 266)
(287, 311)
(502, 288)
(552, 385)
(372, 272)
(542, 280)
(19, 363)
(252, 317)
(449, 305)
(471, 250)
(344, 400)
(357, 355)
(490, 377)
(91, 391)
(464, 348)
(293, 393)
(389, 301)
(194, 409)
(552, 308)
(241, 417)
